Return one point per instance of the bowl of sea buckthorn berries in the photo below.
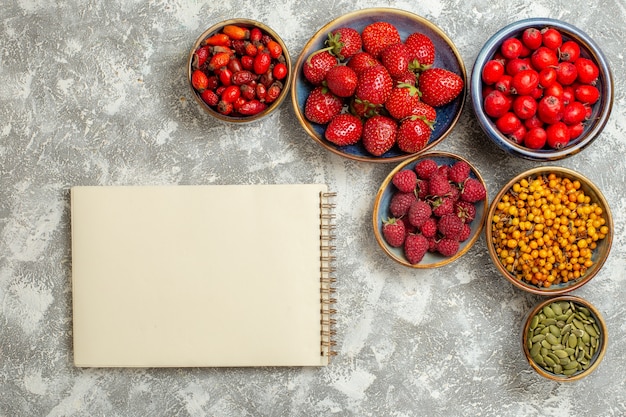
(549, 230)
(542, 89)
(239, 70)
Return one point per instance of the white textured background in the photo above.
(94, 92)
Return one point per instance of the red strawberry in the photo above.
(395, 58)
(426, 111)
(344, 129)
(363, 109)
(459, 171)
(393, 232)
(407, 77)
(465, 210)
(379, 134)
(447, 247)
(418, 213)
(317, 65)
(400, 203)
(344, 42)
(421, 49)
(415, 247)
(413, 134)
(450, 225)
(439, 86)
(405, 180)
(341, 80)
(429, 228)
(438, 185)
(402, 101)
(362, 61)
(425, 168)
(473, 190)
(321, 105)
(377, 36)
(374, 85)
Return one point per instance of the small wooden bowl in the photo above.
(599, 254)
(597, 324)
(381, 212)
(286, 81)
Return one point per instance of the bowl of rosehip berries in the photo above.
(239, 70)
(549, 230)
(542, 89)
(430, 210)
(379, 85)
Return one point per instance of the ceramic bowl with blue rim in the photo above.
(382, 212)
(600, 110)
(446, 56)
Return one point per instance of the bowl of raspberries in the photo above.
(379, 85)
(430, 210)
(239, 70)
(541, 89)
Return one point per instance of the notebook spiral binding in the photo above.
(327, 270)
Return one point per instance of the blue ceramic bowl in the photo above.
(599, 254)
(601, 109)
(381, 212)
(446, 56)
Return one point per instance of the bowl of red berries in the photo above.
(541, 89)
(379, 85)
(430, 210)
(239, 70)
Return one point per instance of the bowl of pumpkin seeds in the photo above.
(564, 338)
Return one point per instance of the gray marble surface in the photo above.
(94, 92)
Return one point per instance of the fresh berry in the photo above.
(438, 185)
(418, 213)
(400, 203)
(344, 129)
(362, 61)
(374, 85)
(377, 36)
(439, 86)
(199, 80)
(442, 206)
(450, 225)
(425, 168)
(447, 247)
(405, 180)
(403, 101)
(317, 65)
(429, 228)
(465, 233)
(322, 105)
(379, 134)
(413, 134)
(344, 42)
(341, 80)
(421, 51)
(363, 108)
(465, 210)
(395, 58)
(394, 232)
(426, 111)
(473, 190)
(415, 247)
(459, 171)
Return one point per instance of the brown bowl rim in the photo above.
(587, 185)
(286, 83)
(599, 355)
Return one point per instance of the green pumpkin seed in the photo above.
(546, 344)
(569, 372)
(561, 353)
(572, 341)
(535, 349)
(549, 361)
(589, 329)
(557, 369)
(547, 310)
(578, 324)
(534, 322)
(548, 321)
(538, 338)
(552, 339)
(556, 307)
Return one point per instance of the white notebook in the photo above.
(202, 276)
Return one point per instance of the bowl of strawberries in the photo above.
(239, 70)
(541, 89)
(430, 210)
(379, 85)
